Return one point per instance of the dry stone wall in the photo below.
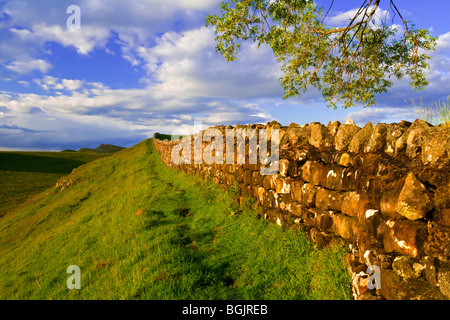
(382, 190)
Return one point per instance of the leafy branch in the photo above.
(347, 64)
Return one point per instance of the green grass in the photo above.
(24, 174)
(139, 230)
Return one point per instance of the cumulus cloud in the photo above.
(37, 22)
(83, 40)
(53, 83)
(185, 65)
(183, 79)
(28, 65)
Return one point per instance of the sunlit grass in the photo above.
(437, 113)
(24, 174)
(138, 230)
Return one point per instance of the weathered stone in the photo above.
(326, 157)
(402, 236)
(343, 225)
(444, 279)
(274, 216)
(319, 136)
(293, 168)
(324, 220)
(352, 203)
(389, 199)
(437, 244)
(377, 140)
(407, 268)
(386, 261)
(271, 198)
(333, 127)
(442, 200)
(370, 220)
(296, 190)
(283, 202)
(283, 186)
(311, 171)
(261, 194)
(329, 199)
(283, 167)
(415, 139)
(247, 177)
(338, 177)
(361, 139)
(257, 178)
(393, 287)
(319, 238)
(436, 147)
(359, 284)
(344, 159)
(273, 124)
(309, 195)
(413, 202)
(267, 184)
(402, 142)
(297, 135)
(344, 135)
(305, 153)
(430, 270)
(297, 209)
(273, 180)
(394, 132)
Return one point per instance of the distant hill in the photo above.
(108, 148)
(103, 148)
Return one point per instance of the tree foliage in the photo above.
(346, 64)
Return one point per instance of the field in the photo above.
(138, 230)
(24, 174)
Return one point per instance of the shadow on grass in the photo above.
(33, 163)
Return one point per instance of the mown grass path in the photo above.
(138, 230)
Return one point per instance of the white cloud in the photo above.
(443, 42)
(72, 84)
(33, 23)
(84, 40)
(185, 65)
(53, 83)
(28, 65)
(376, 114)
(197, 4)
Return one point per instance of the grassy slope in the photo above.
(24, 174)
(141, 231)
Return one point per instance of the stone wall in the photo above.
(382, 190)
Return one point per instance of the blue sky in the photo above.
(136, 67)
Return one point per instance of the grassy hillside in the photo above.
(103, 148)
(24, 174)
(138, 230)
